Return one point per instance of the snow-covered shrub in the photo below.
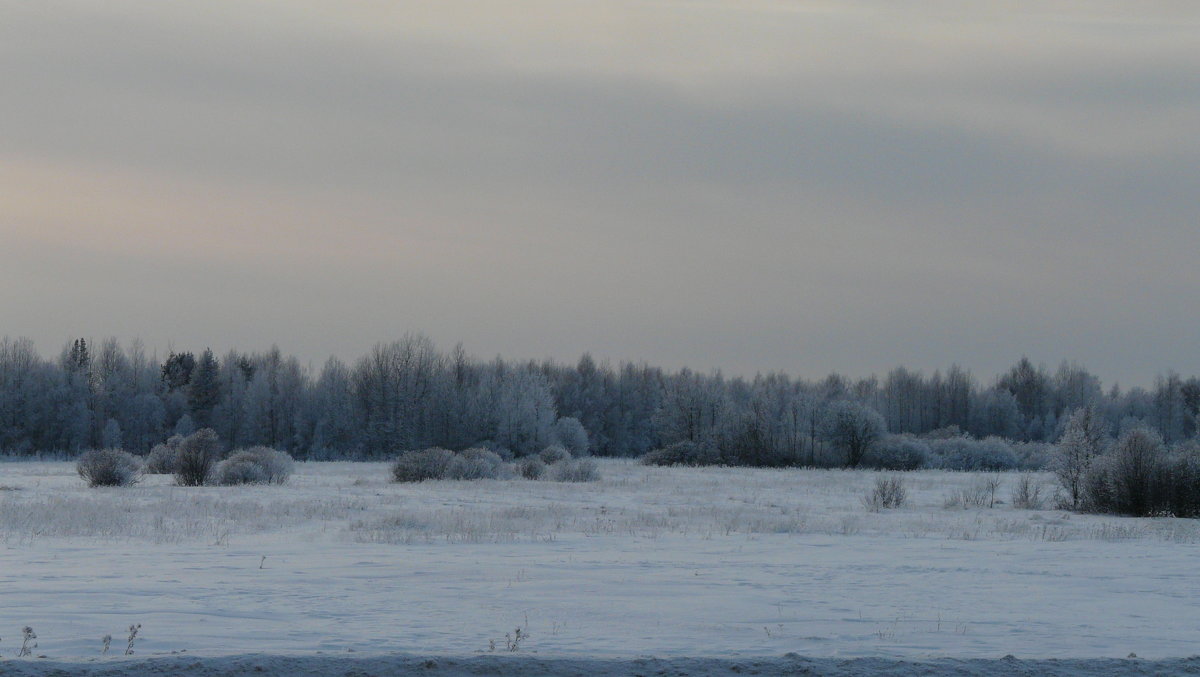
(475, 464)
(1033, 455)
(887, 493)
(163, 459)
(553, 454)
(964, 453)
(575, 470)
(196, 456)
(572, 435)
(237, 470)
(109, 468)
(278, 464)
(683, 453)
(419, 465)
(944, 433)
(1027, 493)
(531, 468)
(897, 452)
(256, 465)
(500, 450)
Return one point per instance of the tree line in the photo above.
(408, 394)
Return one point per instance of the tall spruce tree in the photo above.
(204, 391)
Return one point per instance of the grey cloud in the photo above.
(823, 216)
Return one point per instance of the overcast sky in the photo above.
(743, 184)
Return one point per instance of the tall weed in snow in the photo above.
(28, 642)
(981, 494)
(887, 493)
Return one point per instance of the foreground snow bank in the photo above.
(514, 666)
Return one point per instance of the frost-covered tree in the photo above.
(335, 428)
(177, 370)
(144, 420)
(1084, 438)
(204, 389)
(525, 413)
(571, 434)
(852, 429)
(692, 408)
(111, 437)
(392, 385)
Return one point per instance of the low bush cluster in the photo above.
(553, 454)
(109, 468)
(531, 467)
(256, 465)
(1033, 455)
(419, 465)
(163, 459)
(475, 464)
(897, 452)
(195, 460)
(575, 470)
(964, 453)
(683, 453)
(553, 463)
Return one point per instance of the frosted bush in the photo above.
(572, 435)
(419, 465)
(237, 471)
(475, 464)
(163, 459)
(683, 453)
(1027, 493)
(897, 452)
(1033, 455)
(256, 465)
(277, 464)
(575, 470)
(963, 453)
(887, 493)
(500, 450)
(109, 468)
(553, 454)
(197, 454)
(531, 468)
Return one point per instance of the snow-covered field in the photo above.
(668, 562)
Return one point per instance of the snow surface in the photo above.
(523, 665)
(723, 566)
